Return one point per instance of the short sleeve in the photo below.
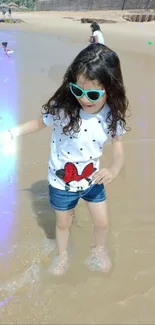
(48, 119)
(95, 33)
(120, 131)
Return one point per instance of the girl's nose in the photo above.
(85, 100)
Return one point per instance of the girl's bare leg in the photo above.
(63, 222)
(99, 260)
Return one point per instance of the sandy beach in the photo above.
(43, 48)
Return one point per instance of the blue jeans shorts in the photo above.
(64, 200)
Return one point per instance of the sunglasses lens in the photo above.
(76, 91)
(93, 95)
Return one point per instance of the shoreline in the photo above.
(60, 25)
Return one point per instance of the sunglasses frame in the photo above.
(85, 92)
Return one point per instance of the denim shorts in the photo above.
(64, 200)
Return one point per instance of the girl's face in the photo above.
(87, 105)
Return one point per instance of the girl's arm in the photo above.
(27, 128)
(118, 156)
(105, 175)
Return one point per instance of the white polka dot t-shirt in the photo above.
(74, 158)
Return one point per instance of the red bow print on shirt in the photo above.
(70, 172)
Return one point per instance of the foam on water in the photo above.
(32, 274)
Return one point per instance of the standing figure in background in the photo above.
(3, 12)
(9, 12)
(97, 36)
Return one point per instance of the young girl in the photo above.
(88, 109)
(7, 51)
(97, 36)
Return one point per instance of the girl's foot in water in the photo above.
(99, 260)
(60, 264)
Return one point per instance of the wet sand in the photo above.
(29, 295)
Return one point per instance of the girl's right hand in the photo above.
(5, 137)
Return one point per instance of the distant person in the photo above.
(7, 51)
(4, 46)
(97, 36)
(3, 12)
(9, 12)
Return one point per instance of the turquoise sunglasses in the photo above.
(92, 94)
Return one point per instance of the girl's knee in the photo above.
(63, 224)
(101, 223)
(101, 226)
(64, 219)
(99, 214)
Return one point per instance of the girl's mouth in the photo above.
(88, 106)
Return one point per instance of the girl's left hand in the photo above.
(103, 176)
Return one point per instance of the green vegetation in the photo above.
(18, 5)
(11, 21)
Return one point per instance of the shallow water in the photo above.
(29, 295)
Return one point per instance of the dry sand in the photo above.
(44, 47)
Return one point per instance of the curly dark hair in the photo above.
(96, 62)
